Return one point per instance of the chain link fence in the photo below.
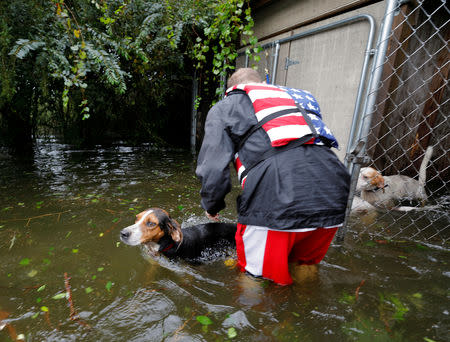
(401, 111)
(406, 111)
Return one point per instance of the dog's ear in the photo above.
(378, 181)
(173, 228)
(175, 231)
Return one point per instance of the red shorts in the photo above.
(264, 252)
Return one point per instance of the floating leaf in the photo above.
(44, 308)
(35, 315)
(108, 285)
(403, 257)
(32, 273)
(295, 314)
(114, 220)
(13, 240)
(422, 247)
(38, 300)
(24, 261)
(88, 290)
(100, 269)
(60, 295)
(232, 332)
(204, 320)
(46, 261)
(229, 262)
(417, 295)
(68, 233)
(347, 299)
(75, 250)
(41, 288)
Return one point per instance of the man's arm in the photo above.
(215, 155)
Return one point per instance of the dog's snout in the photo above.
(124, 234)
(131, 235)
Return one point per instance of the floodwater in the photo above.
(65, 276)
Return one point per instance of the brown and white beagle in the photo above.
(163, 235)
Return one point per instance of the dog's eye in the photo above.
(151, 224)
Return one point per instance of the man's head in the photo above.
(244, 75)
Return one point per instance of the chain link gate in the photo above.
(405, 112)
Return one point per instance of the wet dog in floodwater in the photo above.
(163, 235)
(386, 191)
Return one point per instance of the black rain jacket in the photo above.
(303, 187)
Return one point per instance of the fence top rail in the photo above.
(327, 27)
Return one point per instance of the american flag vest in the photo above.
(286, 115)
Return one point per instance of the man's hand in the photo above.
(212, 217)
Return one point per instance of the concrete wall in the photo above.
(284, 14)
(329, 63)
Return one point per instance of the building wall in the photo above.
(287, 14)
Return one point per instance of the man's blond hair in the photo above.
(244, 75)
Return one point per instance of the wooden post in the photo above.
(398, 43)
(431, 108)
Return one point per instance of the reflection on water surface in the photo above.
(60, 215)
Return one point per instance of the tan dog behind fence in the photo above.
(387, 191)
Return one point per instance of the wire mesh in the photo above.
(410, 115)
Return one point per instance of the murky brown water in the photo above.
(60, 216)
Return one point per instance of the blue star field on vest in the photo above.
(309, 103)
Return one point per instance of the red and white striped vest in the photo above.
(279, 115)
(268, 100)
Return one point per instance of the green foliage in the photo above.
(121, 64)
(204, 320)
(225, 26)
(24, 46)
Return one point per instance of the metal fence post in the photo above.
(377, 69)
(194, 112)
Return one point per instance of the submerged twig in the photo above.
(47, 318)
(28, 219)
(73, 314)
(11, 329)
(357, 289)
(183, 326)
(111, 228)
(29, 288)
(113, 211)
